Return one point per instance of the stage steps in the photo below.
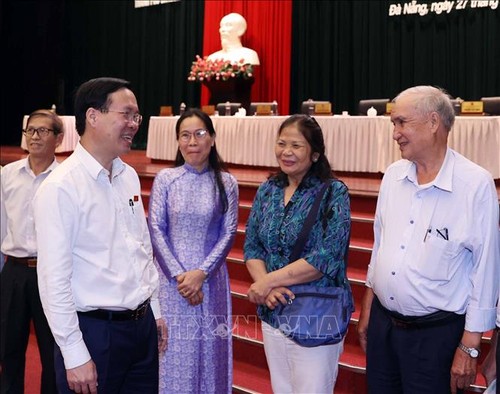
(251, 373)
(247, 335)
(250, 368)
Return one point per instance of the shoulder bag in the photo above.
(317, 315)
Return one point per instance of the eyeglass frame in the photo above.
(195, 134)
(131, 117)
(41, 131)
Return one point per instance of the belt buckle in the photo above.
(31, 263)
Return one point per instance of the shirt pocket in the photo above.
(133, 220)
(436, 260)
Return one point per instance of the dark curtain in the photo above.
(54, 46)
(150, 46)
(31, 55)
(344, 51)
(341, 51)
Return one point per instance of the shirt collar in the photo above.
(93, 166)
(190, 168)
(26, 166)
(444, 178)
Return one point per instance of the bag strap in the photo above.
(308, 223)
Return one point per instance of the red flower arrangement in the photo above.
(204, 69)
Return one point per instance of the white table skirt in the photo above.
(353, 143)
(70, 138)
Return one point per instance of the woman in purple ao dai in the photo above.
(193, 221)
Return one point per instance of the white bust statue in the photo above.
(232, 27)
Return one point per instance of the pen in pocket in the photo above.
(427, 232)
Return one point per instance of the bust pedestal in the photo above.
(234, 90)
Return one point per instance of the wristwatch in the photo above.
(473, 352)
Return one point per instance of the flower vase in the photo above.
(234, 90)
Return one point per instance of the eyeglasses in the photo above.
(131, 117)
(42, 131)
(185, 136)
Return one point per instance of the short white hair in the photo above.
(429, 99)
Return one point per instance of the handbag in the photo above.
(317, 315)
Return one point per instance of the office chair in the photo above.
(379, 104)
(312, 107)
(233, 107)
(491, 105)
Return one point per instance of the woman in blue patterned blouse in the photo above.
(278, 213)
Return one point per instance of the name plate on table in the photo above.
(388, 108)
(208, 109)
(166, 110)
(323, 109)
(471, 108)
(263, 109)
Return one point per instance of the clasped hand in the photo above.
(261, 293)
(189, 286)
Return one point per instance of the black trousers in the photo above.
(410, 360)
(125, 354)
(20, 304)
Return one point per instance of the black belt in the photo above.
(28, 261)
(435, 319)
(105, 314)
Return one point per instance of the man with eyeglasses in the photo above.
(20, 301)
(97, 281)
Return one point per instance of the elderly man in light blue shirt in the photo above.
(432, 282)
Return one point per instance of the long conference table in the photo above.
(353, 143)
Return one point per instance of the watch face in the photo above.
(474, 353)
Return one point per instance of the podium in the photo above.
(234, 90)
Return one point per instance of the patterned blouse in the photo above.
(272, 230)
